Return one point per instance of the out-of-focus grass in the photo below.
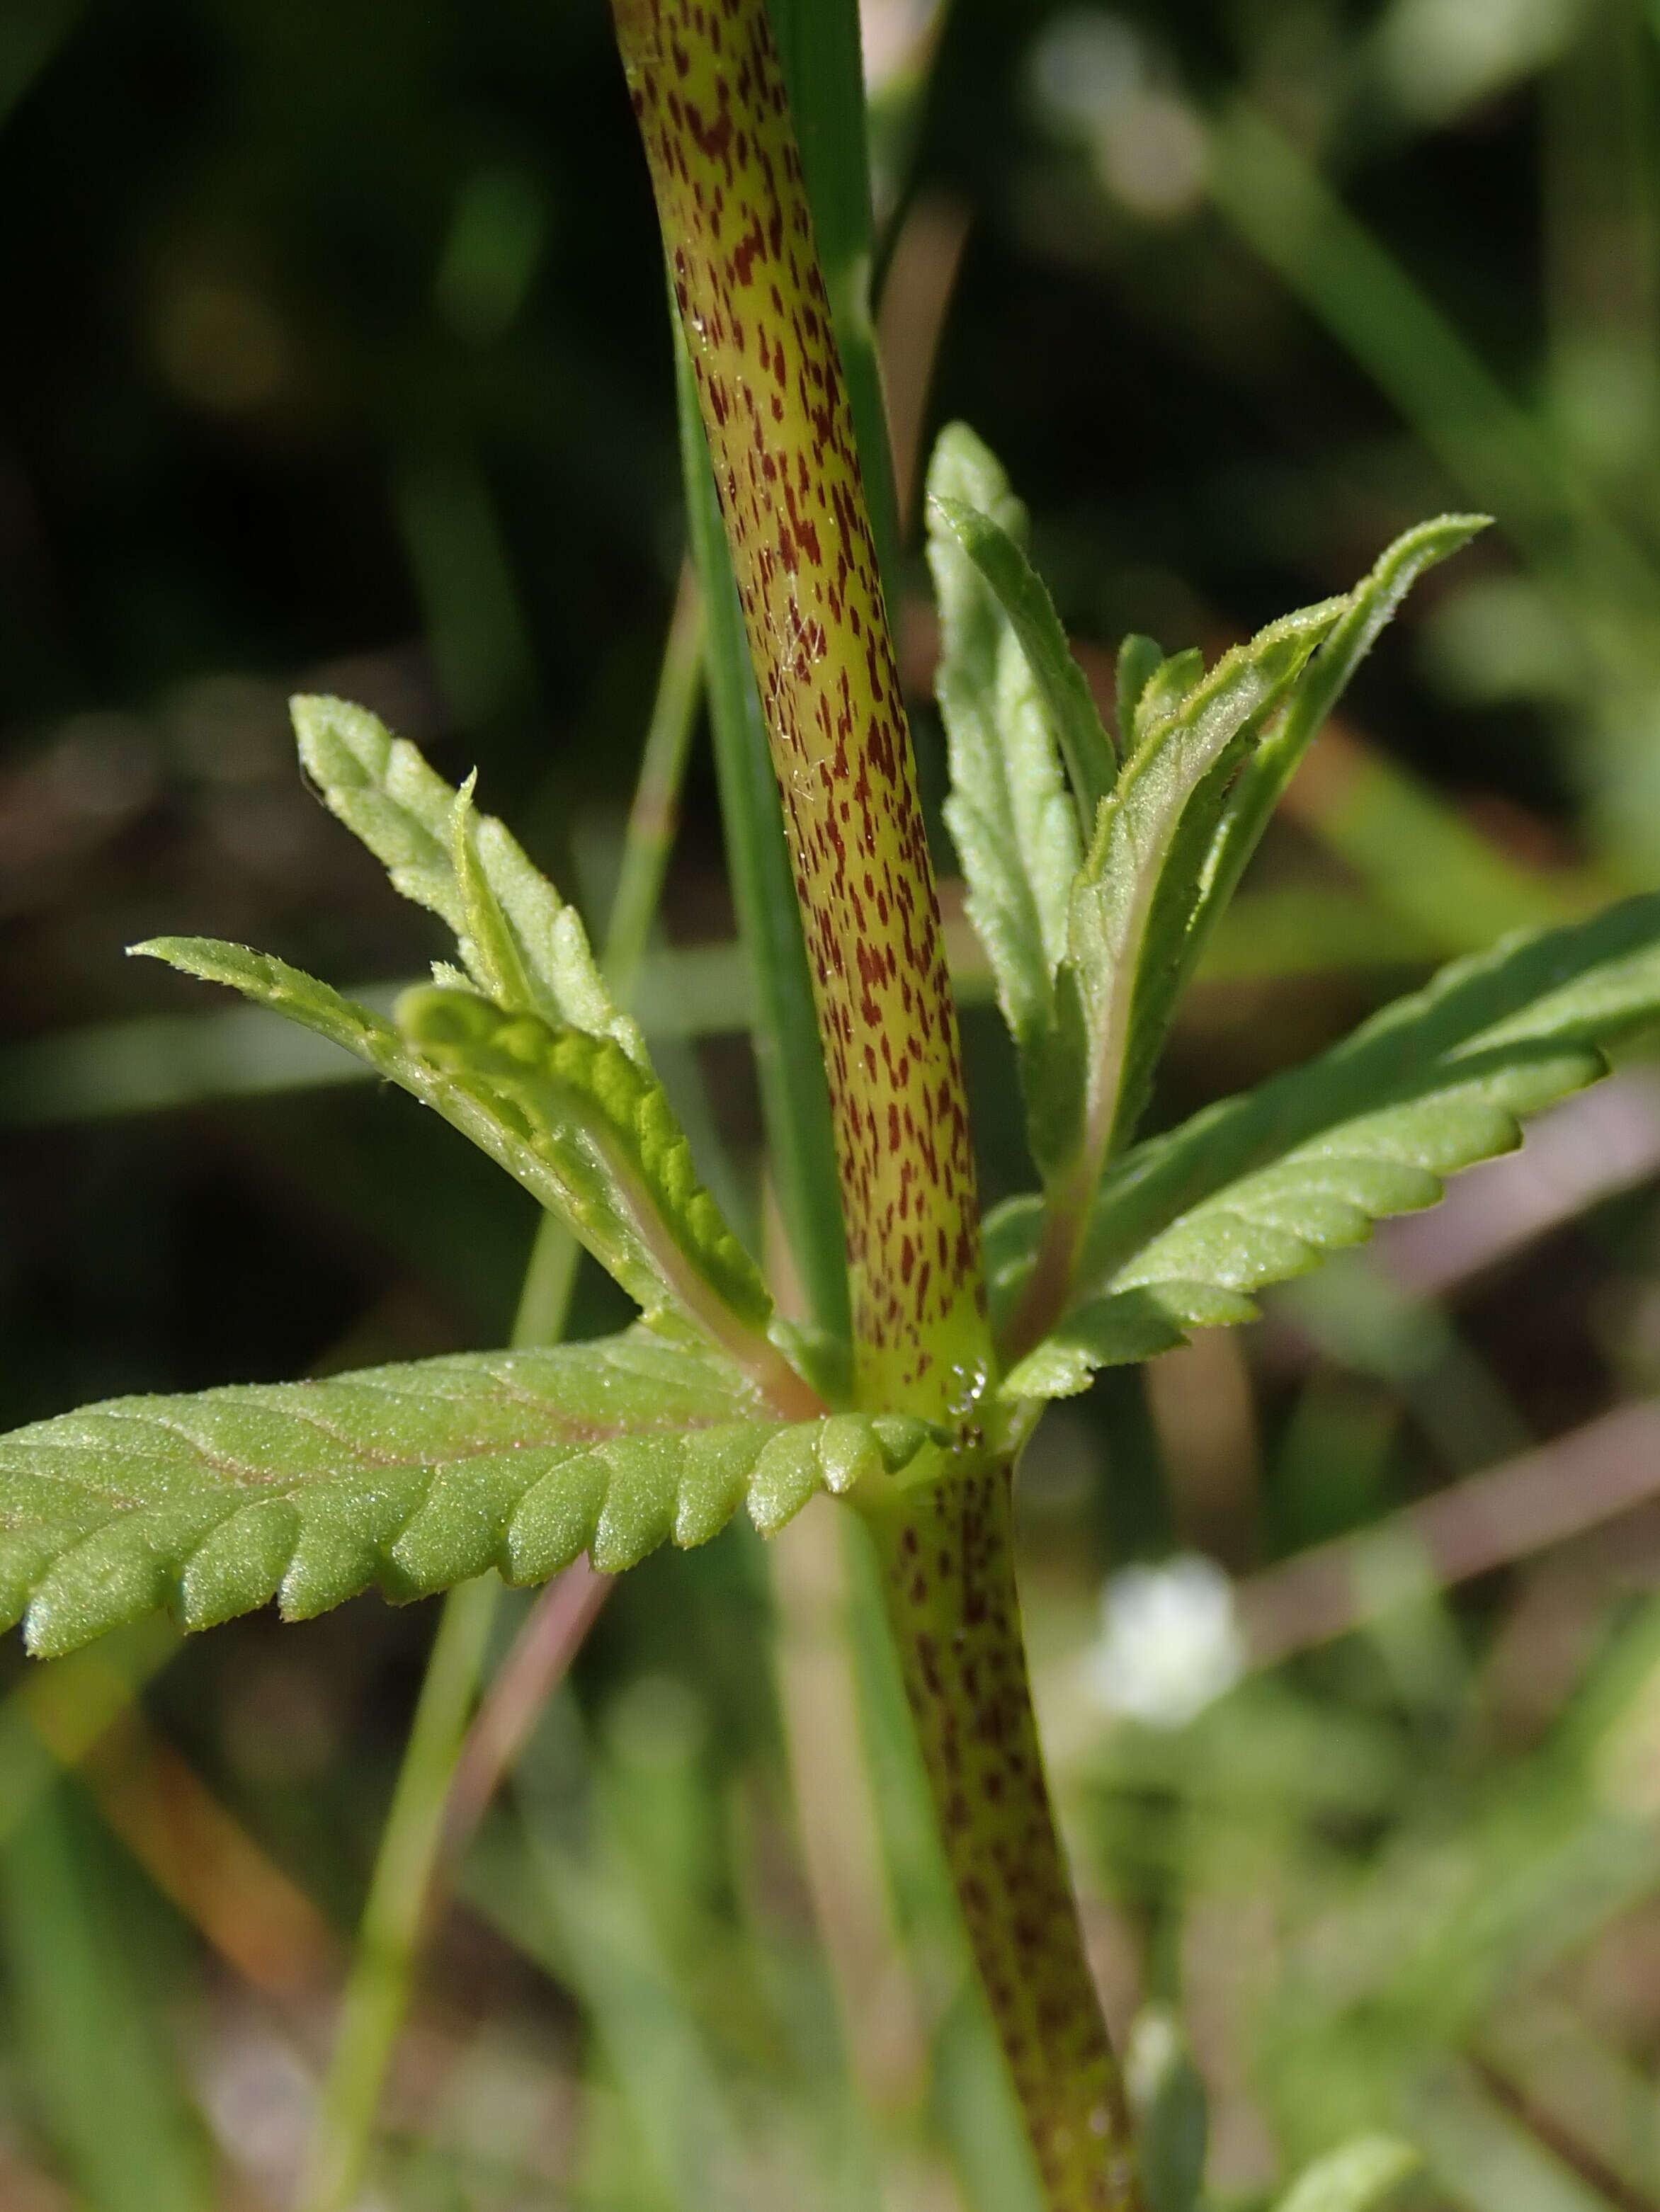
(337, 356)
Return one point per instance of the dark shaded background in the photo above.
(332, 356)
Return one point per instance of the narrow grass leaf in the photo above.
(107, 2088)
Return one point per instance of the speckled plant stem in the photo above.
(948, 1575)
(710, 98)
(709, 94)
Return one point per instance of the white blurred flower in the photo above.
(1096, 77)
(1170, 1643)
(1441, 56)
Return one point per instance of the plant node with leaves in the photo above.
(1099, 855)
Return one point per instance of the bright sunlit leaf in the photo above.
(412, 1478)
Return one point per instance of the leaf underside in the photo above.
(1133, 896)
(1091, 959)
(410, 1477)
(586, 1130)
(1010, 814)
(522, 1049)
(1261, 1186)
(518, 940)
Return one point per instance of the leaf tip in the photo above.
(338, 742)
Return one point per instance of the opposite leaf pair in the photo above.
(1094, 889)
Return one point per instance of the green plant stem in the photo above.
(818, 45)
(404, 1887)
(795, 1098)
(978, 2115)
(377, 1987)
(655, 814)
(948, 1580)
(1066, 2078)
(770, 391)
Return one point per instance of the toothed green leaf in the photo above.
(1256, 791)
(1223, 820)
(1014, 826)
(1165, 687)
(1140, 659)
(571, 1116)
(1120, 1330)
(520, 942)
(410, 1478)
(972, 514)
(603, 1128)
(1354, 2178)
(1120, 917)
(1259, 1188)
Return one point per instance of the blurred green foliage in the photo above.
(335, 357)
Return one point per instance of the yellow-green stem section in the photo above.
(948, 1578)
(708, 96)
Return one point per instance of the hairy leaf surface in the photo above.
(1014, 826)
(1259, 1187)
(1140, 659)
(1119, 926)
(1372, 606)
(573, 1117)
(412, 1477)
(1223, 820)
(974, 517)
(519, 943)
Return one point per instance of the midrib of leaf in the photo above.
(1582, 988)
(1116, 895)
(559, 1080)
(522, 944)
(1126, 864)
(1263, 780)
(518, 1460)
(632, 1239)
(1009, 812)
(1225, 818)
(1255, 1187)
